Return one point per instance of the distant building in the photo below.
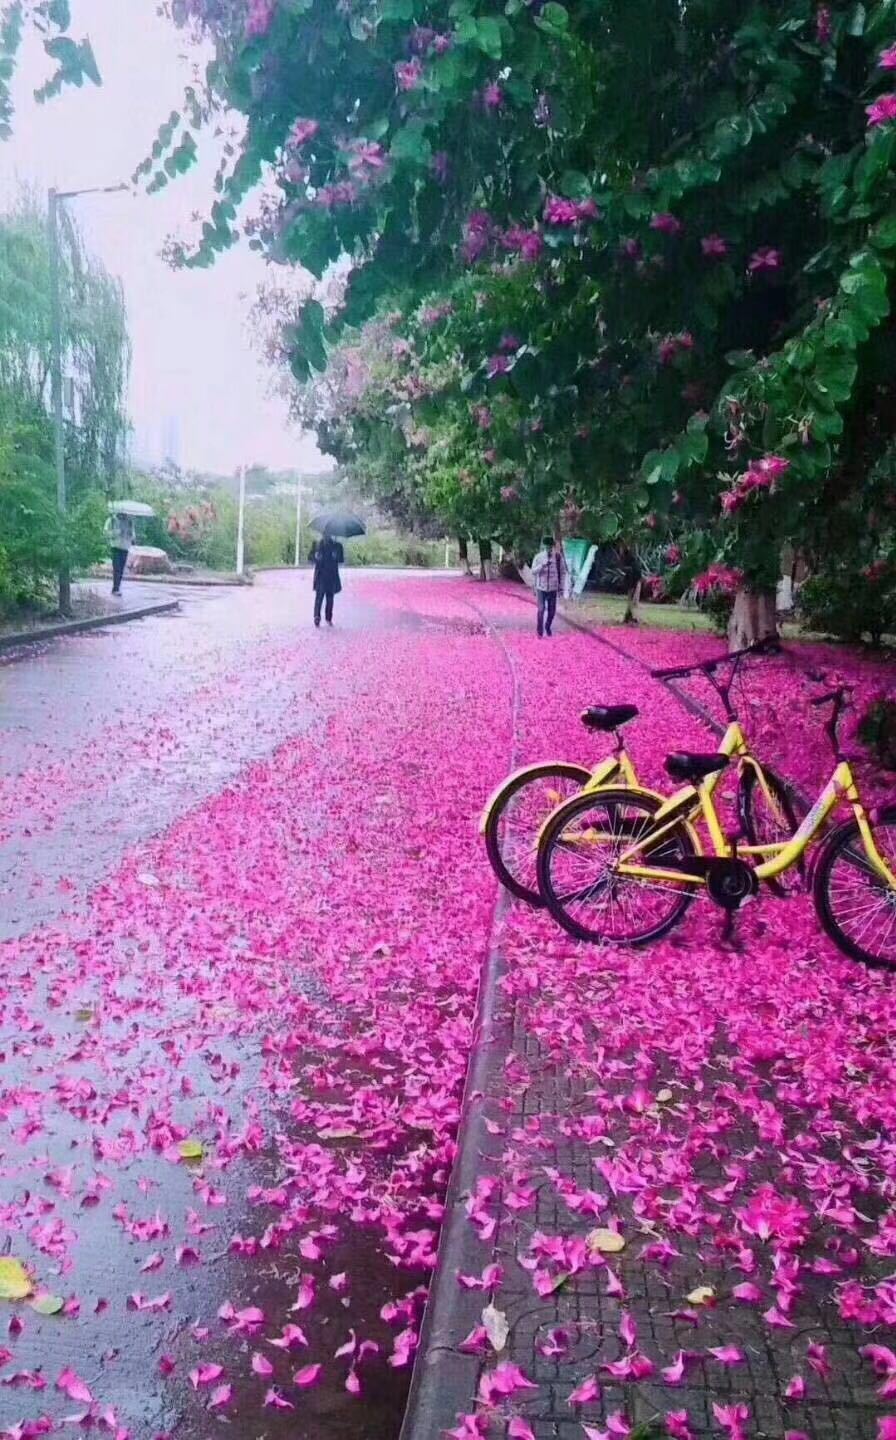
(171, 440)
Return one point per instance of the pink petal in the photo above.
(261, 1364)
(307, 1376)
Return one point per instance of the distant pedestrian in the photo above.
(549, 571)
(121, 535)
(326, 556)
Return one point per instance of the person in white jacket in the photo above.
(550, 574)
(121, 535)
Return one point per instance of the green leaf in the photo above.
(652, 467)
(884, 233)
(47, 1304)
(412, 144)
(556, 15)
(488, 36)
(191, 1149)
(856, 22)
(608, 525)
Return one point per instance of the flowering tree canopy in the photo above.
(655, 243)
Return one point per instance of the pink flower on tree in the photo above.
(765, 258)
(560, 211)
(673, 554)
(259, 17)
(883, 111)
(493, 96)
(483, 417)
(478, 233)
(303, 131)
(497, 365)
(367, 154)
(632, 249)
(666, 223)
(714, 247)
(887, 58)
(528, 244)
(509, 493)
(823, 25)
(408, 74)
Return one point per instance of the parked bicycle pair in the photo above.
(617, 862)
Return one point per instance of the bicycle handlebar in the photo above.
(769, 646)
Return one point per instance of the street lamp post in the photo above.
(240, 522)
(298, 521)
(54, 199)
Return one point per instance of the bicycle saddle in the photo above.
(688, 765)
(608, 717)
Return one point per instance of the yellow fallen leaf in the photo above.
(15, 1282)
(191, 1149)
(84, 1016)
(607, 1242)
(701, 1296)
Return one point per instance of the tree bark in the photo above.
(753, 618)
(633, 600)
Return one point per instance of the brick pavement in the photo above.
(796, 1375)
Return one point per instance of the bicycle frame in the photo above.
(780, 855)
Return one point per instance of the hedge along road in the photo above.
(244, 914)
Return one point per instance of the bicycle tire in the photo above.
(618, 800)
(749, 798)
(834, 851)
(512, 879)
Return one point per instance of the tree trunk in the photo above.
(633, 600)
(753, 618)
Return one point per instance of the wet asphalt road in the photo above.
(95, 750)
(105, 740)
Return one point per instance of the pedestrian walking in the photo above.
(121, 535)
(326, 556)
(550, 573)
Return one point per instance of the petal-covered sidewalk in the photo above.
(683, 1216)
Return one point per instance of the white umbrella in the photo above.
(137, 508)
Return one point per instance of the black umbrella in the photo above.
(338, 522)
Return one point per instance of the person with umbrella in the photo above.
(119, 529)
(327, 555)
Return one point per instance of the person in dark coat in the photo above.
(326, 556)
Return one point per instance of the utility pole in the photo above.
(297, 559)
(65, 587)
(239, 521)
(54, 200)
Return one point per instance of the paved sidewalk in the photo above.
(679, 1205)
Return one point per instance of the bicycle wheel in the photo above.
(576, 868)
(515, 818)
(763, 825)
(856, 907)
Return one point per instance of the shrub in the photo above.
(851, 602)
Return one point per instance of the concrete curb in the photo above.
(444, 1379)
(76, 627)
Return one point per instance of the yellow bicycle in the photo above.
(623, 864)
(516, 811)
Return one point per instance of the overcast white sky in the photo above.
(193, 362)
